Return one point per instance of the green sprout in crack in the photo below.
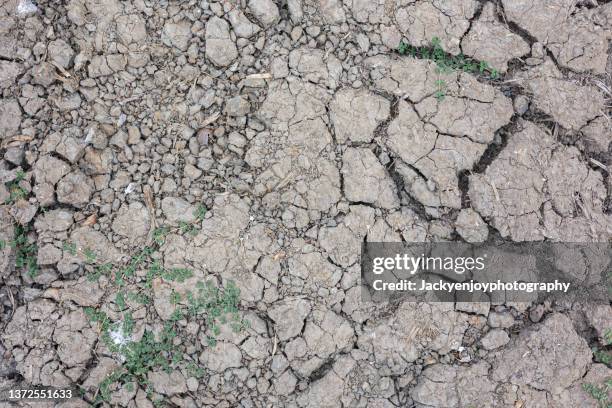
(446, 62)
(186, 228)
(90, 256)
(600, 393)
(159, 235)
(604, 355)
(441, 91)
(607, 337)
(25, 252)
(200, 212)
(215, 306)
(16, 192)
(70, 248)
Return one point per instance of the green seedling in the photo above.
(445, 62)
(600, 393)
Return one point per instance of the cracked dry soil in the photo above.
(149, 146)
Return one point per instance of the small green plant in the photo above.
(16, 192)
(141, 357)
(446, 62)
(604, 355)
(159, 235)
(70, 248)
(600, 393)
(200, 212)
(195, 370)
(90, 256)
(210, 304)
(186, 228)
(25, 252)
(607, 337)
(216, 305)
(441, 92)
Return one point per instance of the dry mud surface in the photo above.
(150, 145)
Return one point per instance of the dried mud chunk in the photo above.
(446, 386)
(409, 77)
(167, 383)
(54, 220)
(8, 46)
(7, 229)
(325, 392)
(220, 49)
(48, 254)
(421, 21)
(315, 270)
(230, 242)
(332, 11)
(132, 221)
(70, 146)
(578, 40)
(81, 292)
(476, 110)
(490, 40)
(438, 158)
(26, 329)
(237, 106)
(398, 341)
(265, 11)
(572, 105)
(178, 210)
(370, 11)
(327, 332)
(85, 238)
(61, 53)
(471, 226)
(597, 135)
(341, 244)
(9, 71)
(536, 361)
(50, 170)
(104, 65)
(291, 102)
(178, 34)
(316, 66)
(288, 317)
(75, 189)
(10, 118)
(132, 28)
(356, 114)
(365, 179)
(541, 19)
(242, 26)
(532, 171)
(285, 383)
(495, 339)
(23, 212)
(44, 74)
(222, 356)
(74, 339)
